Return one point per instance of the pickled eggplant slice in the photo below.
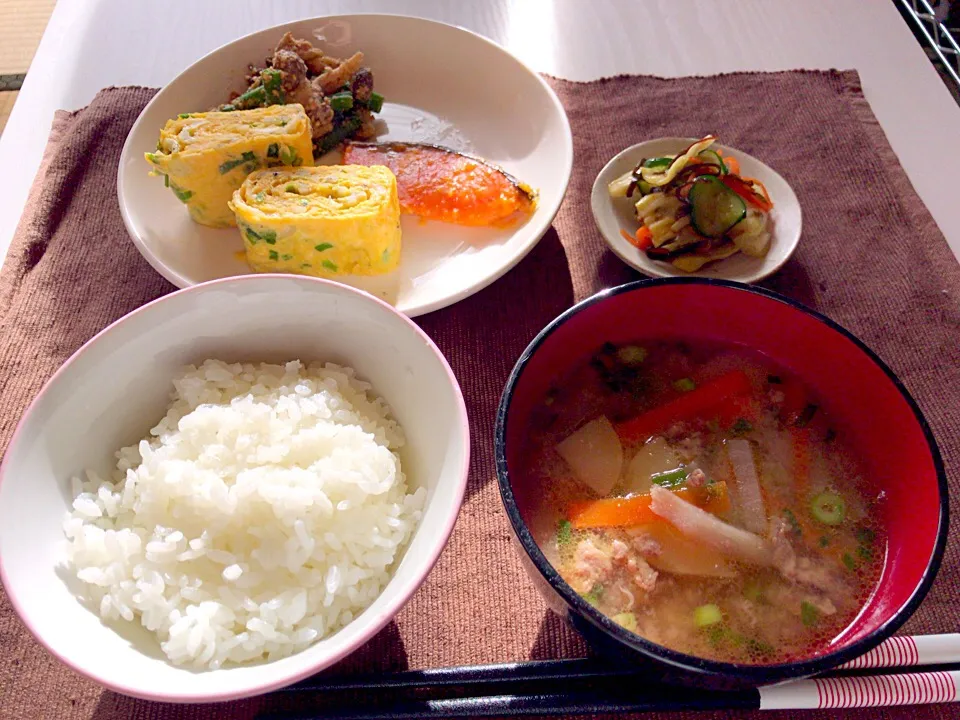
(714, 208)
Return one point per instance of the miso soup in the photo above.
(702, 498)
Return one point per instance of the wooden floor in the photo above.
(21, 26)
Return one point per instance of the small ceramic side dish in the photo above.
(616, 217)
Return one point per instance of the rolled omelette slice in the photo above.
(205, 157)
(328, 221)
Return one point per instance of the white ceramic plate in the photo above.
(442, 84)
(615, 214)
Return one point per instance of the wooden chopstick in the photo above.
(588, 686)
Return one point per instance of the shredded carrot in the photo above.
(626, 512)
(702, 402)
(744, 188)
(733, 165)
(762, 187)
(642, 240)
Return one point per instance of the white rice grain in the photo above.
(262, 513)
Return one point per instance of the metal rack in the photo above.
(938, 41)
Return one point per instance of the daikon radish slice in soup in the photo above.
(727, 518)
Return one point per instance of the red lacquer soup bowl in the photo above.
(879, 419)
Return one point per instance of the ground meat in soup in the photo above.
(775, 542)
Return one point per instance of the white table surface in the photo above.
(92, 44)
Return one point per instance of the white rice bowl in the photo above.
(265, 511)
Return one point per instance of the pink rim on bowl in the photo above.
(389, 612)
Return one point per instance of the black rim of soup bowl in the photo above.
(692, 669)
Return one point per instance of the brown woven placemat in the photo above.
(871, 257)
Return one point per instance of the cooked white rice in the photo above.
(265, 511)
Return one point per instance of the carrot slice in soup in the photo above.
(437, 183)
(700, 403)
(626, 512)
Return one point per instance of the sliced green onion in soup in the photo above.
(809, 614)
(631, 355)
(671, 478)
(753, 591)
(684, 385)
(707, 615)
(593, 597)
(626, 620)
(828, 508)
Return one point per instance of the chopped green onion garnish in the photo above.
(809, 614)
(824, 541)
(286, 257)
(291, 188)
(375, 103)
(341, 101)
(626, 620)
(848, 560)
(758, 647)
(593, 597)
(288, 155)
(322, 246)
(237, 162)
(741, 426)
(329, 266)
(182, 195)
(753, 591)
(707, 615)
(166, 181)
(671, 478)
(269, 236)
(792, 519)
(273, 150)
(828, 508)
(564, 533)
(183, 115)
(864, 535)
(274, 255)
(684, 385)
(252, 235)
(631, 355)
